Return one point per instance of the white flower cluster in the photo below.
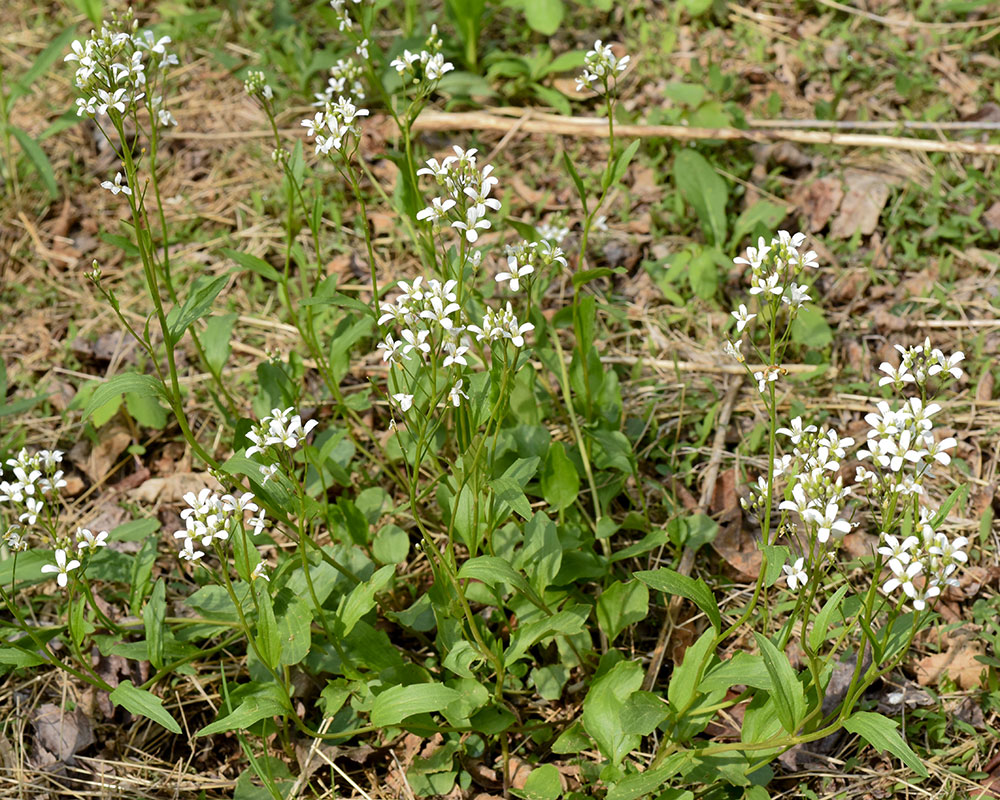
(339, 120)
(817, 491)
(115, 68)
(521, 260)
(554, 232)
(280, 428)
(433, 327)
(467, 191)
(423, 69)
(345, 79)
(344, 21)
(775, 269)
(919, 363)
(500, 324)
(61, 568)
(601, 68)
(922, 564)
(256, 85)
(34, 477)
(211, 517)
(902, 447)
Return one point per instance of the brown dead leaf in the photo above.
(171, 489)
(867, 193)
(97, 463)
(63, 733)
(991, 216)
(984, 389)
(738, 547)
(958, 662)
(819, 200)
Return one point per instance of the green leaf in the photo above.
(254, 264)
(253, 709)
(268, 640)
(620, 605)
(684, 681)
(197, 304)
(218, 332)
(603, 709)
(361, 600)
(543, 784)
(153, 616)
(114, 388)
(741, 668)
(763, 214)
(703, 272)
(643, 713)
(38, 159)
(817, 634)
(942, 513)
(789, 699)
(492, 570)
(399, 702)
(560, 480)
(697, 591)
(811, 329)
(880, 732)
(544, 16)
(134, 531)
(581, 192)
(569, 621)
(707, 193)
(620, 166)
(146, 410)
(144, 703)
(294, 617)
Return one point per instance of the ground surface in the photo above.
(908, 242)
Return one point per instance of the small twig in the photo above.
(873, 125)
(903, 23)
(430, 120)
(687, 557)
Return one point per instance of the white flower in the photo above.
(800, 502)
(187, 551)
(472, 225)
(258, 572)
(768, 375)
(797, 296)
(827, 522)
(405, 401)
(456, 394)
(437, 210)
(456, 355)
(755, 255)
(894, 549)
(761, 284)
(415, 341)
(795, 574)
(117, 186)
(796, 432)
(268, 472)
(733, 349)
(258, 523)
(903, 575)
(85, 540)
(895, 375)
(61, 567)
(515, 273)
(742, 317)
(390, 349)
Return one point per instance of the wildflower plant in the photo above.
(439, 463)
